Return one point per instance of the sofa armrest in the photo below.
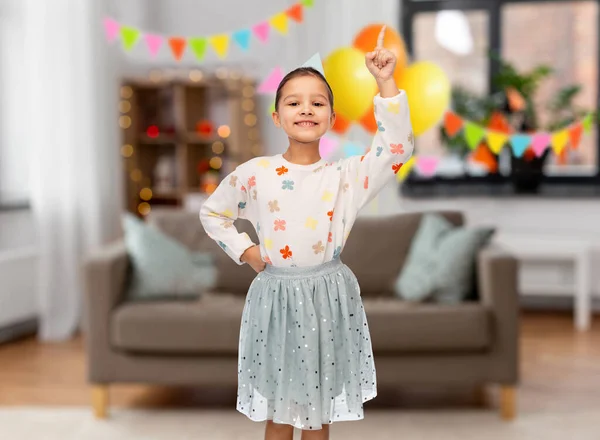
(497, 283)
(105, 274)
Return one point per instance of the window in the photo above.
(469, 40)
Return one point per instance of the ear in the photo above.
(276, 119)
(332, 119)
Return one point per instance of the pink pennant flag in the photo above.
(153, 42)
(111, 28)
(269, 85)
(326, 146)
(427, 165)
(261, 31)
(540, 142)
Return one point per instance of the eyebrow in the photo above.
(295, 96)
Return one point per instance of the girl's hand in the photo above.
(253, 258)
(381, 62)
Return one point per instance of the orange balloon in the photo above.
(368, 121)
(366, 40)
(341, 124)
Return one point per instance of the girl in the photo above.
(305, 357)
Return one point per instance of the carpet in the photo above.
(77, 423)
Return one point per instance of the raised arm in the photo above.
(393, 142)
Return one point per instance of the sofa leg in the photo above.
(508, 402)
(100, 401)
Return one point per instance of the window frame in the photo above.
(411, 8)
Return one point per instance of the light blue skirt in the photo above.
(305, 355)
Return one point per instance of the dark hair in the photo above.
(303, 71)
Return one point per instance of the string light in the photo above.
(253, 134)
(127, 150)
(218, 147)
(124, 106)
(234, 74)
(224, 131)
(250, 119)
(248, 91)
(136, 175)
(145, 194)
(144, 208)
(221, 73)
(155, 76)
(124, 121)
(256, 149)
(126, 92)
(216, 163)
(196, 75)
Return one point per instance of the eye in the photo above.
(292, 103)
(319, 104)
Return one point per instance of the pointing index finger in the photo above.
(380, 37)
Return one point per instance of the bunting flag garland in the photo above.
(498, 137)
(242, 38)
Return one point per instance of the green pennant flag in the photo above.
(587, 123)
(198, 46)
(129, 36)
(308, 3)
(272, 108)
(473, 134)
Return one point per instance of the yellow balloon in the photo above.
(353, 85)
(404, 171)
(428, 90)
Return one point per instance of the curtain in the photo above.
(75, 179)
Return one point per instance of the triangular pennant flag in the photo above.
(111, 27)
(261, 31)
(269, 85)
(499, 123)
(519, 143)
(198, 46)
(242, 38)
(280, 22)
(587, 123)
(327, 145)
(220, 44)
(405, 169)
(130, 36)
(575, 135)
(516, 102)
(272, 108)
(473, 134)
(315, 62)
(540, 142)
(177, 47)
(496, 141)
(484, 157)
(307, 3)
(559, 140)
(427, 165)
(452, 123)
(351, 149)
(153, 42)
(296, 12)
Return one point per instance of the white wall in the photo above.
(14, 122)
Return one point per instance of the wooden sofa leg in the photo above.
(100, 401)
(508, 402)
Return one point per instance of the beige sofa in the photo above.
(179, 342)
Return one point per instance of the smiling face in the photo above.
(304, 111)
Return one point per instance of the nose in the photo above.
(306, 110)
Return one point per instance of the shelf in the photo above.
(158, 140)
(165, 196)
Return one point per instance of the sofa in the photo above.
(194, 342)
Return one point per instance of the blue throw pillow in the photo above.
(162, 267)
(440, 265)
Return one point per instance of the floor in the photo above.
(560, 370)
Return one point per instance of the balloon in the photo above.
(428, 90)
(368, 121)
(341, 124)
(352, 84)
(366, 40)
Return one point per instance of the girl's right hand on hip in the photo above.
(253, 258)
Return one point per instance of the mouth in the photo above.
(306, 124)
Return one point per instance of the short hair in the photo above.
(303, 71)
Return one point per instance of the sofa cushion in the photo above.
(210, 325)
(377, 248)
(398, 326)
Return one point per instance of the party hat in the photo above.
(316, 63)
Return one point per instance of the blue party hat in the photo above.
(316, 63)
